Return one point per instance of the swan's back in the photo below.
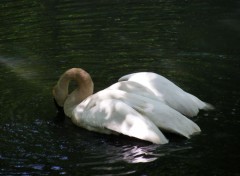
(168, 92)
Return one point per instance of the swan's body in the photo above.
(126, 107)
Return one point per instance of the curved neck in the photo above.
(83, 90)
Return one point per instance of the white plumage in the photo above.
(169, 93)
(139, 106)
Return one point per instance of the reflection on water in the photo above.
(195, 44)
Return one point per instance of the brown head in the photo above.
(83, 90)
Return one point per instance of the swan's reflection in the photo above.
(135, 154)
(132, 151)
(150, 153)
(102, 149)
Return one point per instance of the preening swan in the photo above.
(140, 105)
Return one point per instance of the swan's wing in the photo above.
(116, 116)
(170, 93)
(163, 116)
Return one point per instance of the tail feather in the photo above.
(208, 106)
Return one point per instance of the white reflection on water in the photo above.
(137, 154)
(150, 153)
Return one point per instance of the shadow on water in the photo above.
(194, 44)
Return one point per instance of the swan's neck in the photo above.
(83, 90)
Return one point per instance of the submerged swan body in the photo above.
(130, 107)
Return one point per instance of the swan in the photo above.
(131, 106)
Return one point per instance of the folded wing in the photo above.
(111, 115)
(169, 93)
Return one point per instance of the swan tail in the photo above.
(200, 104)
(208, 106)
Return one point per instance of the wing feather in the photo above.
(170, 93)
(115, 115)
(160, 114)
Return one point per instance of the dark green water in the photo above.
(193, 43)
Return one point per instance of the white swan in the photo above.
(127, 107)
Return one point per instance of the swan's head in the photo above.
(59, 99)
(60, 90)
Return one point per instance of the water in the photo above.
(195, 44)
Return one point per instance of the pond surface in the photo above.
(193, 43)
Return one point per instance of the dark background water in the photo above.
(193, 43)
